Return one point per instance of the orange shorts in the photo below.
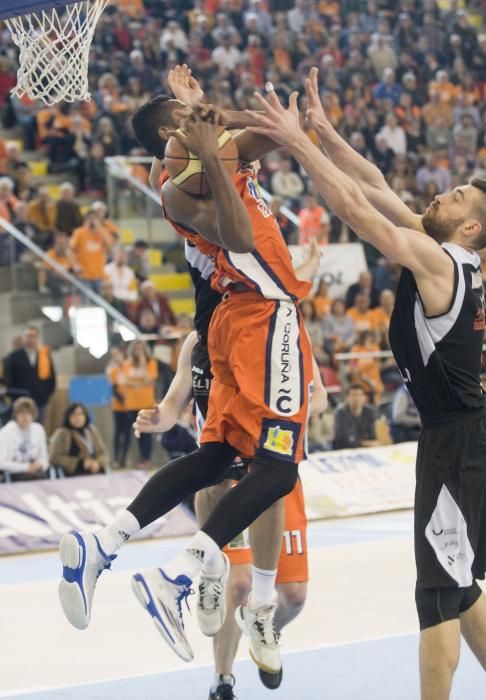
(293, 563)
(261, 361)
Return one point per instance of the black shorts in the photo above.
(450, 503)
(201, 385)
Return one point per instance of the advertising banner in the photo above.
(361, 481)
(34, 514)
(340, 267)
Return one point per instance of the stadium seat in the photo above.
(91, 390)
(172, 283)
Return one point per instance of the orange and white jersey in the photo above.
(268, 269)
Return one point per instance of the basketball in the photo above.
(186, 170)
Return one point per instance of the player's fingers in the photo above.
(266, 106)
(272, 97)
(179, 135)
(293, 104)
(260, 119)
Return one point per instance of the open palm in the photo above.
(184, 86)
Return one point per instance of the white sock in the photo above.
(190, 561)
(218, 679)
(262, 587)
(214, 566)
(121, 529)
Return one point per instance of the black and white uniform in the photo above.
(201, 267)
(439, 358)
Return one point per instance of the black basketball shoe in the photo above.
(224, 691)
(271, 681)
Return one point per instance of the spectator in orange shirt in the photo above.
(122, 428)
(90, 245)
(313, 222)
(49, 279)
(383, 313)
(101, 211)
(140, 372)
(322, 300)
(361, 314)
(367, 371)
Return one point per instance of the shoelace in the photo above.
(213, 590)
(183, 595)
(264, 625)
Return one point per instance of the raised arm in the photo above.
(432, 267)
(365, 174)
(224, 219)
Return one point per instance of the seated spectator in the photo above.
(362, 316)
(140, 373)
(322, 300)
(148, 324)
(78, 447)
(42, 212)
(50, 280)
(159, 304)
(8, 201)
(287, 183)
(31, 369)
(108, 295)
(138, 260)
(354, 424)
(105, 135)
(101, 211)
(21, 221)
(121, 277)
(95, 169)
(365, 286)
(69, 214)
(367, 371)
(383, 312)
(313, 222)
(314, 329)
(405, 421)
(432, 171)
(90, 245)
(338, 327)
(23, 443)
(24, 188)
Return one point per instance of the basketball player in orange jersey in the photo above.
(262, 367)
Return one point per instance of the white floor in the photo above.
(362, 581)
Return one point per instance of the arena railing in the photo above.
(91, 318)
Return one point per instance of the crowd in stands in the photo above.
(403, 82)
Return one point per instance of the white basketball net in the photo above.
(54, 51)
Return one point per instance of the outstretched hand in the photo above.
(315, 115)
(199, 133)
(279, 124)
(184, 86)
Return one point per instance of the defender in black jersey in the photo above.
(436, 335)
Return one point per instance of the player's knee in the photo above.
(279, 475)
(214, 458)
(239, 584)
(438, 605)
(292, 595)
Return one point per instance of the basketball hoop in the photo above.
(54, 38)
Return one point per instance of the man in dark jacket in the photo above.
(31, 369)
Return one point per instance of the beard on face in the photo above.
(480, 241)
(440, 231)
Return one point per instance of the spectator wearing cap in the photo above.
(138, 260)
(314, 222)
(109, 226)
(158, 303)
(31, 369)
(68, 213)
(90, 245)
(23, 443)
(77, 447)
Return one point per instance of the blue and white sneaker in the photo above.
(83, 560)
(162, 598)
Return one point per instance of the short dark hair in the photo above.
(140, 243)
(355, 387)
(147, 121)
(70, 410)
